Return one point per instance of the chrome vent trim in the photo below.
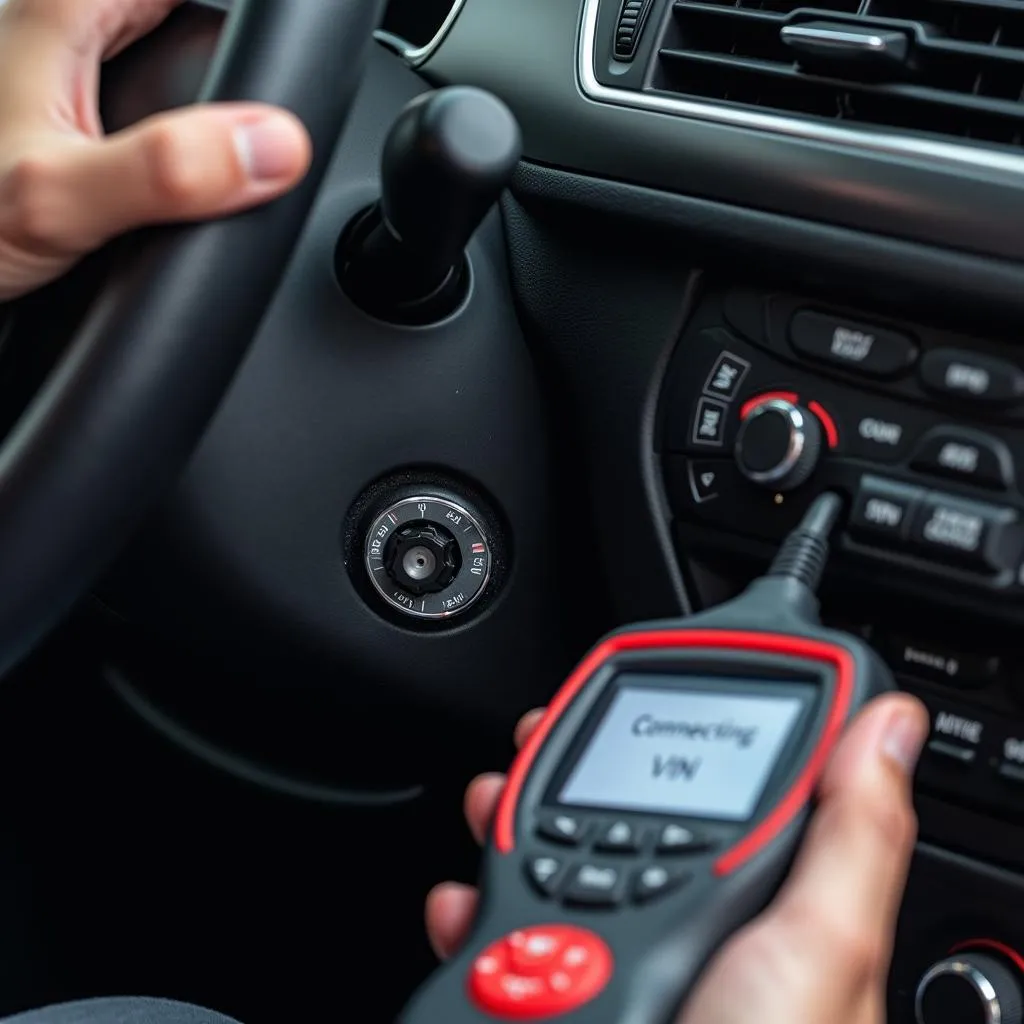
(877, 141)
(417, 55)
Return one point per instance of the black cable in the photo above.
(805, 551)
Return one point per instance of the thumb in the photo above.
(841, 899)
(189, 164)
(820, 952)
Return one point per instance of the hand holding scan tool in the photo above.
(658, 805)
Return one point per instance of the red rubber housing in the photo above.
(786, 809)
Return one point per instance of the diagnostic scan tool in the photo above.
(658, 805)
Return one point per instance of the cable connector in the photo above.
(805, 551)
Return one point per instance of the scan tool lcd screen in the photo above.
(685, 752)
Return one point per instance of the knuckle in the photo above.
(853, 954)
(175, 177)
(887, 817)
(860, 953)
(33, 204)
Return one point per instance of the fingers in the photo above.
(842, 896)
(449, 914)
(481, 801)
(181, 166)
(527, 724)
(451, 906)
(484, 792)
(97, 29)
(822, 948)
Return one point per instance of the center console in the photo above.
(771, 398)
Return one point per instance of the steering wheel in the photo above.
(121, 413)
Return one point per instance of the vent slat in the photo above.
(913, 93)
(964, 76)
(712, 10)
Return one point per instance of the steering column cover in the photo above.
(122, 412)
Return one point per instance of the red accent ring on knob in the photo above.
(994, 946)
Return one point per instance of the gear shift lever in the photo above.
(445, 163)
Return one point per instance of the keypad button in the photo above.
(658, 880)
(619, 837)
(540, 971)
(595, 885)
(545, 873)
(968, 456)
(678, 839)
(563, 828)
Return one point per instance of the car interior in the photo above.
(303, 509)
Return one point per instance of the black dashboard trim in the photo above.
(526, 53)
(883, 273)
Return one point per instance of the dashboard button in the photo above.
(862, 348)
(965, 455)
(1011, 772)
(709, 422)
(883, 510)
(881, 432)
(964, 533)
(959, 729)
(727, 376)
(940, 664)
(704, 479)
(952, 753)
(595, 886)
(972, 376)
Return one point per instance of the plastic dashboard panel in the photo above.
(527, 53)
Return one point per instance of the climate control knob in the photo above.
(778, 444)
(969, 988)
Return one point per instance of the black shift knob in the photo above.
(446, 161)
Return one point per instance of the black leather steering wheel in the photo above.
(123, 410)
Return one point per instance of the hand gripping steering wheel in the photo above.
(119, 416)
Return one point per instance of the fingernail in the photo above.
(270, 148)
(903, 739)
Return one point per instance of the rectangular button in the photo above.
(1011, 772)
(934, 662)
(709, 422)
(595, 886)
(965, 455)
(883, 510)
(959, 532)
(952, 752)
(726, 376)
(974, 376)
(872, 351)
(562, 828)
(961, 729)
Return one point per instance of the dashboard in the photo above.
(753, 251)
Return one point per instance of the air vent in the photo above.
(945, 67)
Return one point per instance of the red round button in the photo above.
(540, 971)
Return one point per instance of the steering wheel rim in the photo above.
(121, 413)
